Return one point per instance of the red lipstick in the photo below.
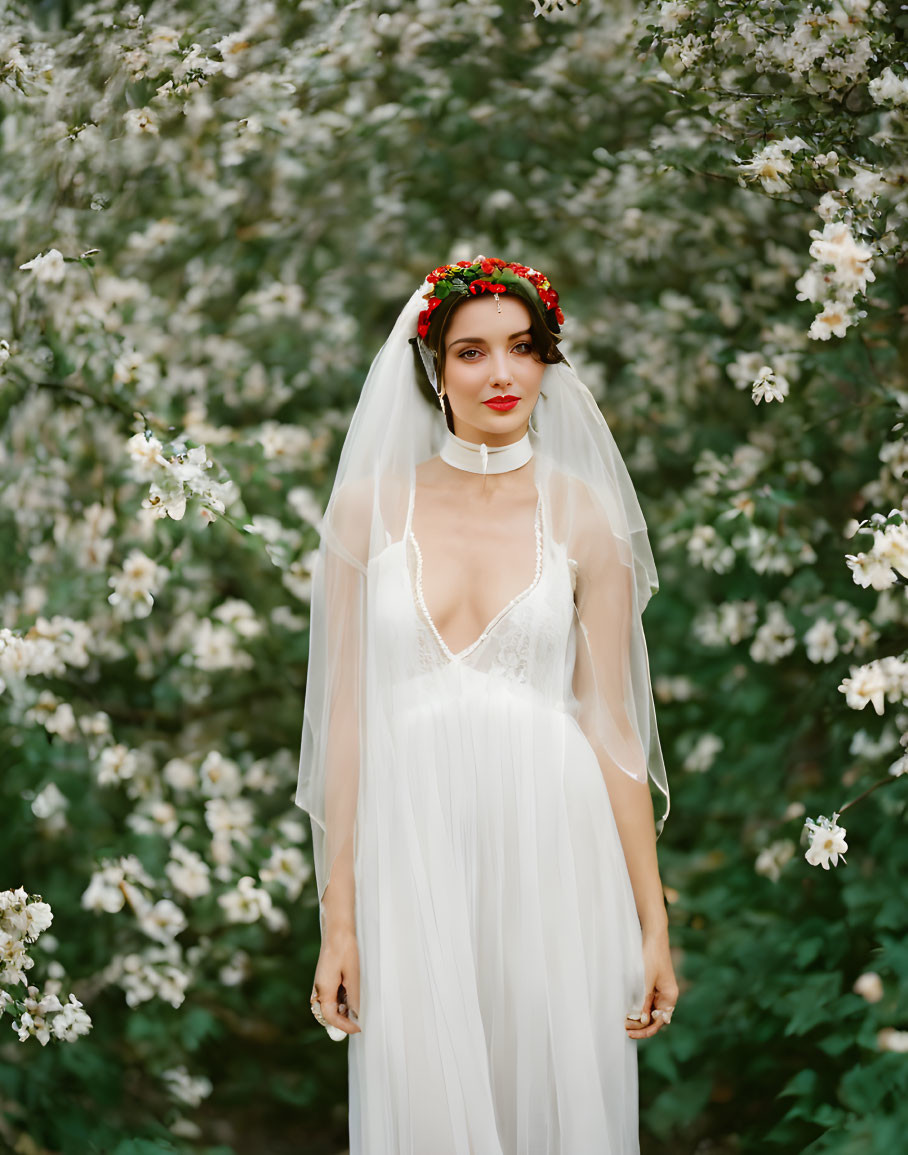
(502, 403)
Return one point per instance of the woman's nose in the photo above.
(500, 371)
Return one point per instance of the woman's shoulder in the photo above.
(571, 496)
(355, 504)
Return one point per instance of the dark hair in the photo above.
(544, 341)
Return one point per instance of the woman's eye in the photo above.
(524, 346)
(466, 354)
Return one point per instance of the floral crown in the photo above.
(487, 275)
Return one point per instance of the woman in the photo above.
(479, 734)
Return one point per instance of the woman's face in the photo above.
(489, 356)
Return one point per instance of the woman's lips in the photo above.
(502, 403)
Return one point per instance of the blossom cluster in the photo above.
(23, 917)
(842, 269)
(884, 679)
(886, 561)
(173, 477)
(46, 648)
(830, 52)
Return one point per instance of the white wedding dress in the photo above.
(499, 943)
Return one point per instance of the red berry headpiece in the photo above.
(490, 275)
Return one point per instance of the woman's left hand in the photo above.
(661, 988)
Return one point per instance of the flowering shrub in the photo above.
(210, 216)
(23, 917)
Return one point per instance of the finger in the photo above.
(343, 1010)
(637, 1031)
(647, 1008)
(664, 1001)
(351, 982)
(660, 1018)
(332, 1015)
(329, 1011)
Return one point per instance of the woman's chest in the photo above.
(526, 637)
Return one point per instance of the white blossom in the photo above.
(827, 841)
(850, 260)
(869, 986)
(775, 638)
(769, 386)
(117, 764)
(772, 858)
(231, 817)
(247, 903)
(706, 548)
(875, 682)
(141, 122)
(887, 88)
(49, 806)
(136, 584)
(162, 921)
(108, 885)
(888, 554)
(726, 624)
(240, 615)
(703, 753)
(889, 1039)
(146, 453)
(833, 321)
(219, 776)
(187, 871)
(49, 267)
(215, 647)
(187, 1088)
(772, 164)
(159, 971)
(236, 970)
(286, 866)
(820, 641)
(180, 775)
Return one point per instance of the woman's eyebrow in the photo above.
(481, 340)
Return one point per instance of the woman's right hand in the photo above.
(338, 965)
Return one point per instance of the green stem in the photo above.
(842, 412)
(882, 782)
(111, 402)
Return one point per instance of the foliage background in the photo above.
(262, 185)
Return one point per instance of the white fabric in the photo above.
(470, 694)
(484, 458)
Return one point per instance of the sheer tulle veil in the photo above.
(580, 470)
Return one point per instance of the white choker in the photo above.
(486, 458)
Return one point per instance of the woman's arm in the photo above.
(602, 685)
(341, 639)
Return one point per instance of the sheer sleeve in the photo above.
(329, 775)
(611, 680)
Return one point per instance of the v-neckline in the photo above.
(505, 609)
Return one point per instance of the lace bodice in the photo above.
(528, 643)
(421, 601)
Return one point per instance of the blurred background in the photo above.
(210, 215)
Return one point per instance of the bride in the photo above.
(479, 736)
